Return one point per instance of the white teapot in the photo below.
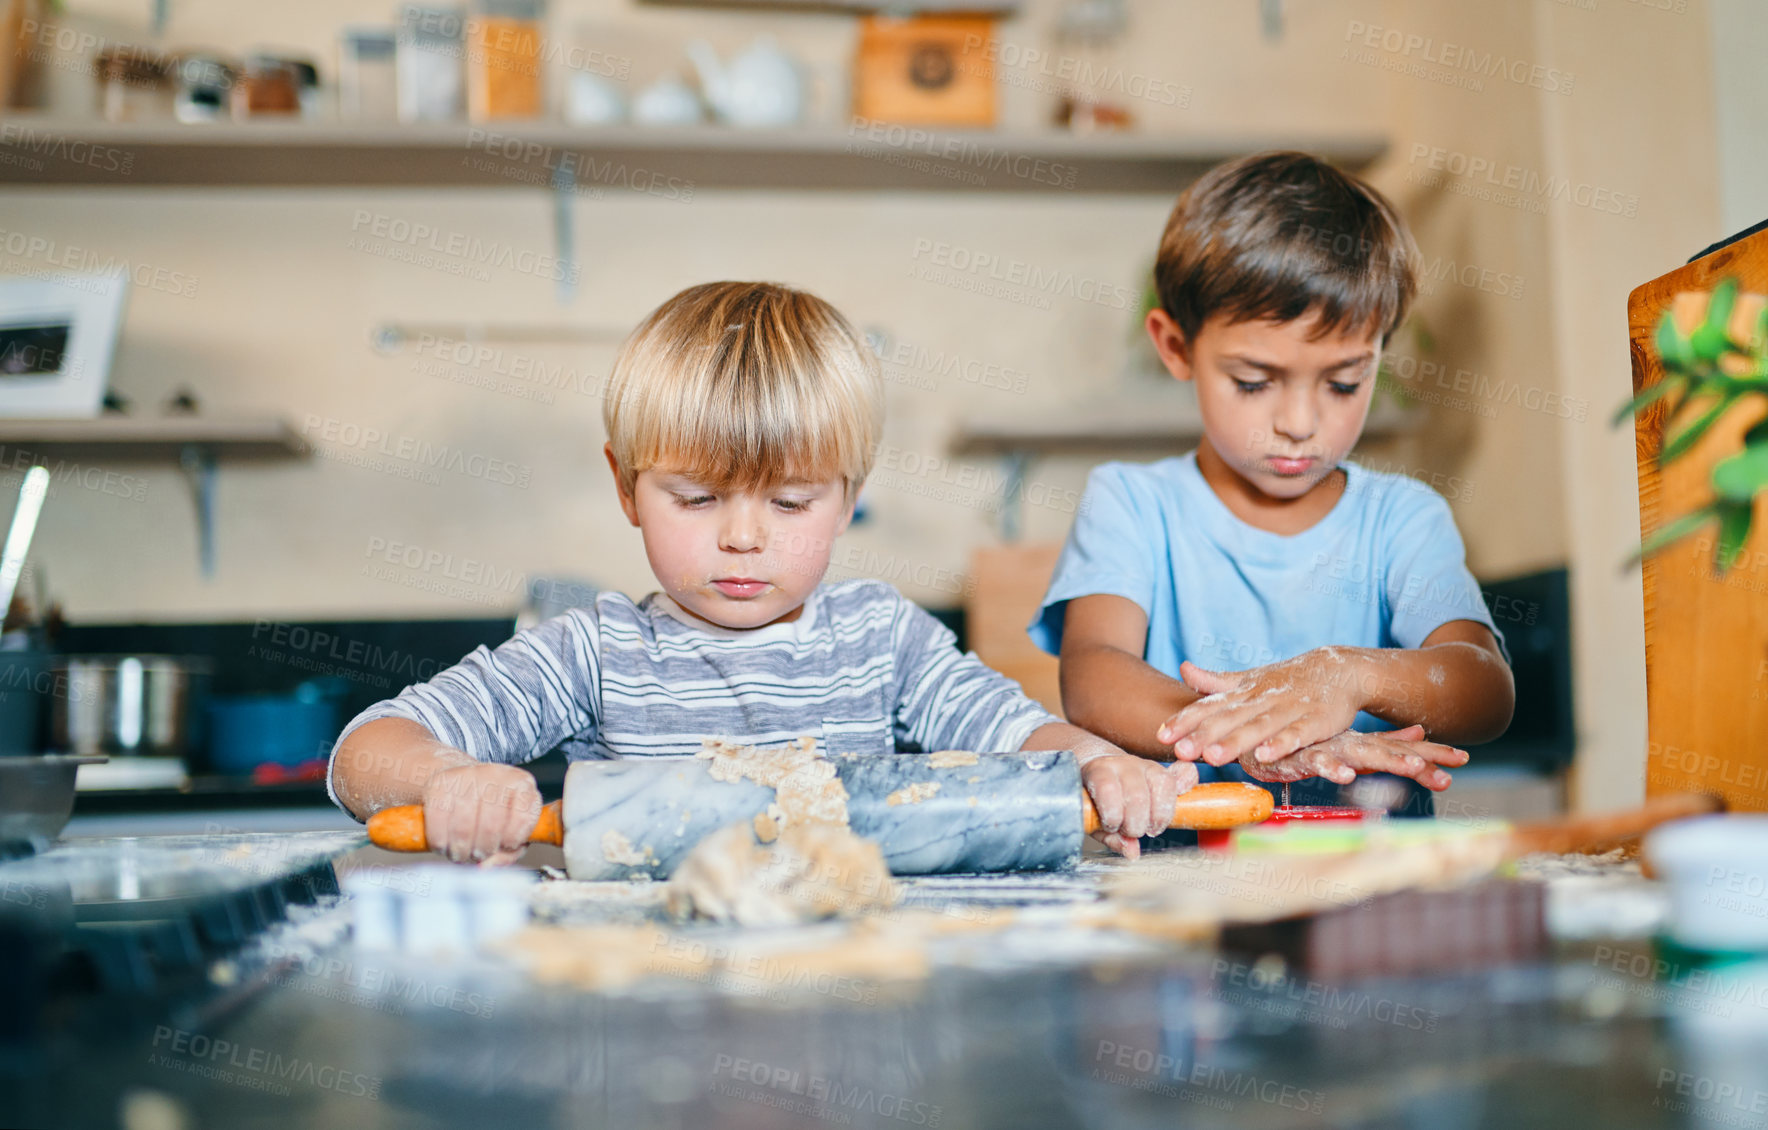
(762, 86)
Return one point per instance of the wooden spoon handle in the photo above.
(1606, 829)
(402, 828)
(1217, 804)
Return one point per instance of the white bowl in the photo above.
(1717, 871)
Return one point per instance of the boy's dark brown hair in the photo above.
(1278, 235)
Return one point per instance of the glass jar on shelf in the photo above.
(134, 85)
(368, 89)
(1089, 36)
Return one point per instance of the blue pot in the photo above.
(250, 730)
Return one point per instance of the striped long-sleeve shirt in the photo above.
(862, 668)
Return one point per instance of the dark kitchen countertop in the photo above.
(342, 1037)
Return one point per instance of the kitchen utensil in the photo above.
(1220, 839)
(760, 87)
(1321, 867)
(129, 704)
(437, 908)
(36, 799)
(25, 686)
(667, 102)
(929, 813)
(31, 494)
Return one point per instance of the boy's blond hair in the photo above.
(745, 386)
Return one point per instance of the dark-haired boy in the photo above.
(1262, 604)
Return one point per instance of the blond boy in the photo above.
(742, 419)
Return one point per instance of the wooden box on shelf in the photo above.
(926, 70)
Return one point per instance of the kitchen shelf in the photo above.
(196, 443)
(1000, 8)
(43, 150)
(165, 437)
(1133, 428)
(1149, 423)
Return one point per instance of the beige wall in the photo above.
(1656, 139)
(1740, 87)
(283, 308)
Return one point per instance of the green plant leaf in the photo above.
(1672, 532)
(1687, 436)
(1738, 477)
(1648, 396)
(1758, 433)
(1722, 304)
(1673, 349)
(1734, 531)
(1711, 340)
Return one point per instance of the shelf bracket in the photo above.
(1271, 18)
(1013, 494)
(198, 462)
(564, 194)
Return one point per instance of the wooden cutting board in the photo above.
(1706, 639)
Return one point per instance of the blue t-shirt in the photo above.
(1384, 568)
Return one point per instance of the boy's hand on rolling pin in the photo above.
(1269, 712)
(482, 812)
(1340, 758)
(1134, 796)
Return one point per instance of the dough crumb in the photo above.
(913, 794)
(616, 848)
(767, 825)
(952, 758)
(605, 957)
(811, 871)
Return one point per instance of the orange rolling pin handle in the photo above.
(1217, 804)
(402, 828)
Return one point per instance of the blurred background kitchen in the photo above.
(341, 421)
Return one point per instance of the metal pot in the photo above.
(36, 799)
(26, 684)
(130, 704)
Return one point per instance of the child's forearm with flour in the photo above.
(473, 810)
(1456, 685)
(388, 762)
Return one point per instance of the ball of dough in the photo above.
(809, 871)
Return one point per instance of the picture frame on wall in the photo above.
(58, 334)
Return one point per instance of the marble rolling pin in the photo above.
(929, 813)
